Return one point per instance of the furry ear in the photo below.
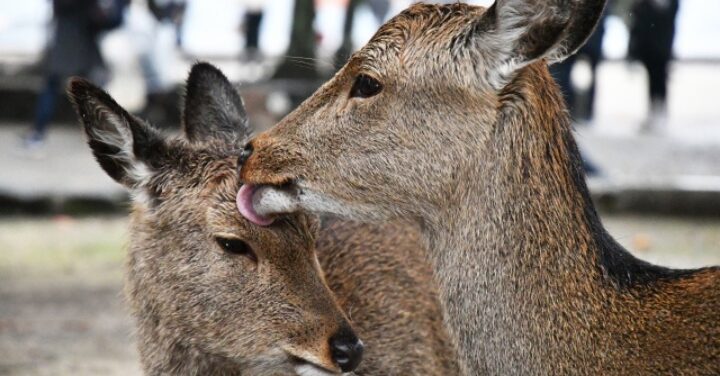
(520, 32)
(124, 146)
(213, 109)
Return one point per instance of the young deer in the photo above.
(448, 118)
(213, 294)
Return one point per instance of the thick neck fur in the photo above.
(500, 242)
(520, 257)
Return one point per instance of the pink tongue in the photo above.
(245, 206)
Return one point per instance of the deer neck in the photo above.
(518, 244)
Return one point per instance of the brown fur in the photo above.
(200, 310)
(469, 138)
(389, 296)
(382, 279)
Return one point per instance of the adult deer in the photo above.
(213, 294)
(448, 118)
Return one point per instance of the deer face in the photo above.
(201, 275)
(411, 114)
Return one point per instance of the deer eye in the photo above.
(365, 87)
(236, 247)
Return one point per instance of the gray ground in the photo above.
(61, 308)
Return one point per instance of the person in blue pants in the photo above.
(72, 50)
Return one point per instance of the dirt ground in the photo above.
(61, 305)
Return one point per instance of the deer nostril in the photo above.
(346, 350)
(245, 154)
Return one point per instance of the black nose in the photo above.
(245, 154)
(346, 349)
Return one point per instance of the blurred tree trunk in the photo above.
(300, 59)
(346, 48)
(622, 9)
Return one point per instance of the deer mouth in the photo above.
(305, 368)
(306, 364)
(259, 204)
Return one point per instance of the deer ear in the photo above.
(213, 109)
(124, 146)
(523, 31)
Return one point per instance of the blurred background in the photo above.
(642, 93)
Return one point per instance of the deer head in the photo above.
(415, 112)
(200, 276)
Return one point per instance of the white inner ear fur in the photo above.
(112, 130)
(513, 22)
(115, 131)
(502, 63)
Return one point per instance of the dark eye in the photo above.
(365, 87)
(236, 247)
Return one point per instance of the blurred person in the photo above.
(253, 19)
(169, 11)
(73, 49)
(167, 15)
(582, 108)
(652, 33)
(303, 40)
(346, 46)
(378, 8)
(562, 72)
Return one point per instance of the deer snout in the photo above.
(342, 351)
(346, 350)
(265, 161)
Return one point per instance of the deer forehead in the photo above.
(422, 26)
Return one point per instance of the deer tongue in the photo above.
(257, 203)
(244, 202)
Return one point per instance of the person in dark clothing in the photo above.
(72, 50)
(651, 43)
(592, 51)
(582, 110)
(172, 11)
(251, 24)
(165, 13)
